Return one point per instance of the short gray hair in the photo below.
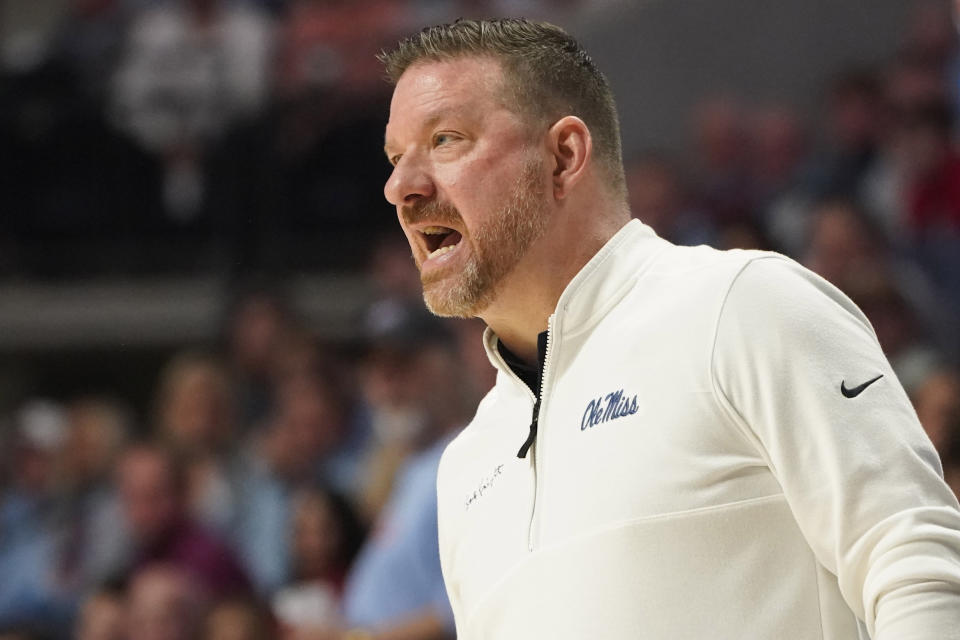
(545, 70)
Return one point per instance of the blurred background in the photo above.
(221, 401)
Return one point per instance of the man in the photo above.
(101, 615)
(711, 444)
(164, 602)
(152, 485)
(395, 590)
(395, 587)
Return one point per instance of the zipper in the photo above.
(533, 441)
(534, 422)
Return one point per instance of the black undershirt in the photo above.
(532, 376)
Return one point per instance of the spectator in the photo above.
(853, 138)
(843, 247)
(396, 587)
(190, 69)
(897, 297)
(721, 157)
(930, 33)
(258, 321)
(102, 615)
(316, 383)
(93, 547)
(195, 417)
(933, 196)
(308, 440)
(326, 534)
(937, 400)
(398, 388)
(908, 83)
(778, 173)
(238, 619)
(164, 603)
(777, 152)
(152, 485)
(854, 127)
(659, 199)
(32, 591)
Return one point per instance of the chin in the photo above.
(444, 308)
(455, 302)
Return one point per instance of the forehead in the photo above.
(431, 90)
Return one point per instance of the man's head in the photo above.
(546, 75)
(152, 487)
(492, 124)
(163, 604)
(410, 357)
(101, 616)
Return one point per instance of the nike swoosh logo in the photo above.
(857, 390)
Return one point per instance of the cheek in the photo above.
(479, 184)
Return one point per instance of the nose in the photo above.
(407, 183)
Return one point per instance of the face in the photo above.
(148, 494)
(196, 408)
(233, 621)
(938, 407)
(162, 606)
(468, 182)
(101, 618)
(316, 537)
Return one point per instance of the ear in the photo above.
(572, 148)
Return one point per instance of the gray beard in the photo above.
(497, 248)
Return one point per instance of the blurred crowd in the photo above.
(279, 486)
(186, 135)
(275, 487)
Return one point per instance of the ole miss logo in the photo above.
(609, 407)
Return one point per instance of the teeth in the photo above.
(441, 251)
(435, 231)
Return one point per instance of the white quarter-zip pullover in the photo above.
(699, 471)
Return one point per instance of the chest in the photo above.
(635, 432)
(628, 429)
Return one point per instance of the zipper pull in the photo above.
(533, 431)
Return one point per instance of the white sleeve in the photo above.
(861, 478)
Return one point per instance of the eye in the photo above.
(442, 138)
(394, 159)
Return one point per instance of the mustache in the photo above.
(432, 210)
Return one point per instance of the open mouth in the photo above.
(440, 240)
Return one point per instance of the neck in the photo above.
(528, 295)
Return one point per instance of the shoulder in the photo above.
(701, 273)
(762, 282)
(681, 260)
(776, 311)
(687, 287)
(775, 289)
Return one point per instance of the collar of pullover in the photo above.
(598, 286)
